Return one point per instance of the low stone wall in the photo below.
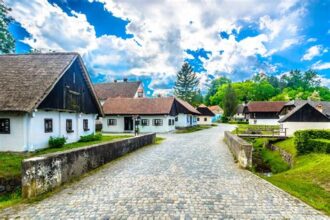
(42, 174)
(287, 157)
(8, 185)
(241, 149)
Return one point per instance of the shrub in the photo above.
(320, 145)
(239, 122)
(224, 119)
(56, 142)
(304, 140)
(91, 137)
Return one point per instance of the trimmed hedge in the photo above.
(307, 141)
(91, 137)
(56, 142)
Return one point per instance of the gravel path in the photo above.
(188, 176)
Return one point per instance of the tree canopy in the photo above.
(7, 42)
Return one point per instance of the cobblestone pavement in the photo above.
(188, 176)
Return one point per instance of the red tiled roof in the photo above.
(264, 106)
(116, 89)
(138, 106)
(216, 109)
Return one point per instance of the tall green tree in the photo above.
(230, 101)
(197, 98)
(186, 83)
(7, 42)
(215, 84)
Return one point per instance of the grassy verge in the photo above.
(255, 129)
(308, 180)
(159, 140)
(193, 129)
(288, 146)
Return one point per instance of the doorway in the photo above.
(128, 124)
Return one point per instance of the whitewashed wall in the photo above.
(184, 120)
(17, 139)
(119, 127)
(295, 126)
(202, 121)
(28, 130)
(264, 121)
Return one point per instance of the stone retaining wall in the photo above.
(241, 149)
(287, 157)
(42, 174)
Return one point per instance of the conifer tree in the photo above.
(229, 101)
(186, 83)
(7, 42)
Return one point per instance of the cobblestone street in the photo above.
(188, 176)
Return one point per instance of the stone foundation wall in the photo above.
(287, 157)
(42, 174)
(241, 149)
(9, 185)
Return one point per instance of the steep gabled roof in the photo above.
(116, 90)
(27, 79)
(140, 106)
(216, 109)
(312, 105)
(240, 109)
(205, 111)
(188, 107)
(265, 106)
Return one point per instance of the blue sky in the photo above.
(150, 41)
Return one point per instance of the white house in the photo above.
(263, 112)
(43, 96)
(206, 115)
(302, 115)
(150, 114)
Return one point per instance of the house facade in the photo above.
(149, 114)
(206, 115)
(217, 111)
(43, 96)
(302, 115)
(240, 116)
(263, 112)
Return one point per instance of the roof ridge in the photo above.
(48, 53)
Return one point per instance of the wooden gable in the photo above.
(71, 93)
(307, 113)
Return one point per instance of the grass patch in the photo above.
(159, 140)
(255, 129)
(307, 180)
(288, 146)
(192, 129)
(10, 199)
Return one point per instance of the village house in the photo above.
(206, 115)
(116, 89)
(162, 114)
(263, 112)
(43, 96)
(300, 115)
(217, 111)
(240, 116)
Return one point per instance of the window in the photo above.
(85, 124)
(112, 122)
(169, 122)
(69, 125)
(176, 119)
(48, 125)
(197, 119)
(145, 122)
(158, 122)
(172, 121)
(140, 94)
(205, 119)
(4, 126)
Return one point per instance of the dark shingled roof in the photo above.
(143, 106)
(25, 79)
(116, 89)
(205, 111)
(265, 106)
(240, 109)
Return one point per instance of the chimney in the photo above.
(319, 107)
(125, 79)
(115, 80)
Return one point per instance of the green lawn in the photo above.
(10, 163)
(308, 180)
(246, 128)
(288, 146)
(193, 129)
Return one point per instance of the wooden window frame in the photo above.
(144, 120)
(205, 119)
(69, 126)
(85, 125)
(158, 122)
(4, 130)
(112, 122)
(48, 125)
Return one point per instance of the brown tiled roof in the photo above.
(116, 89)
(189, 107)
(264, 106)
(216, 109)
(138, 106)
(205, 111)
(26, 79)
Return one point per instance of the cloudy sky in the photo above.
(149, 40)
